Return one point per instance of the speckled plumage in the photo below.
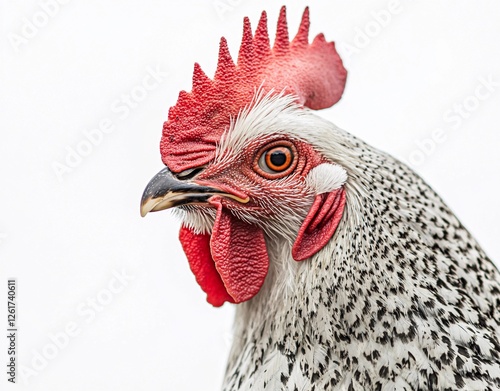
(402, 297)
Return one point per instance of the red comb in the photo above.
(312, 72)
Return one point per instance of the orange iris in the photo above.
(279, 158)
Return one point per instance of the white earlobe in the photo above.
(326, 177)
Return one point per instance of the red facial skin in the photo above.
(244, 179)
(231, 264)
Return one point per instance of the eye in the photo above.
(276, 160)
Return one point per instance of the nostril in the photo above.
(188, 174)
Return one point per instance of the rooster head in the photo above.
(244, 161)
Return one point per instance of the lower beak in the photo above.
(166, 191)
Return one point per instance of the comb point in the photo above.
(282, 42)
(319, 40)
(183, 97)
(246, 53)
(225, 64)
(200, 79)
(261, 40)
(302, 37)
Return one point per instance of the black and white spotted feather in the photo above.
(401, 298)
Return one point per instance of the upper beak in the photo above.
(166, 191)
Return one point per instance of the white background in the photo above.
(63, 237)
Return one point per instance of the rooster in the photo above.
(348, 271)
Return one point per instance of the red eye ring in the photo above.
(276, 160)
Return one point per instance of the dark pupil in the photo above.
(278, 158)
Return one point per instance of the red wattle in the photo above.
(197, 249)
(240, 254)
(231, 264)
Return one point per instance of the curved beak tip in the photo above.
(144, 207)
(149, 204)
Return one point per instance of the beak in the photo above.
(166, 191)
